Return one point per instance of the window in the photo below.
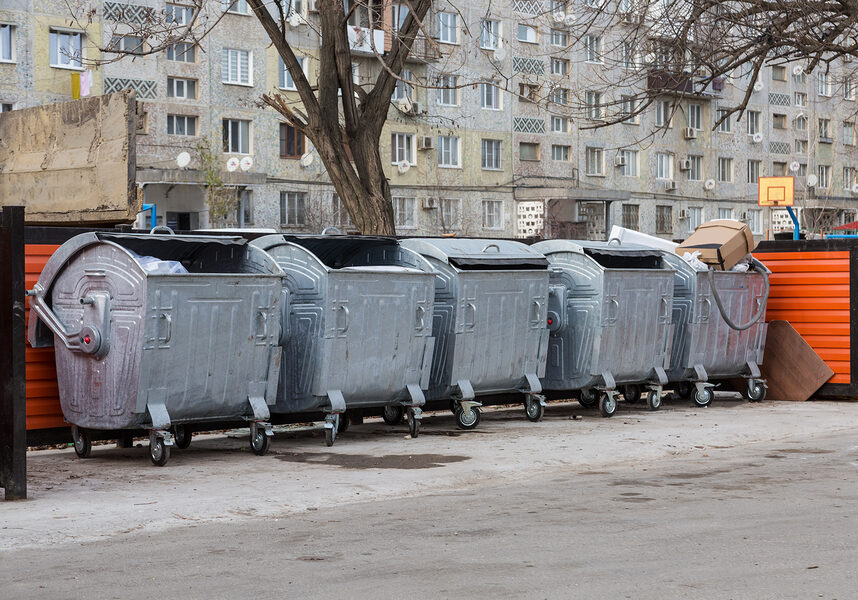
(293, 208)
(244, 210)
(800, 78)
(801, 146)
(823, 84)
(490, 35)
(402, 148)
(182, 52)
(663, 165)
(593, 48)
(526, 34)
(630, 57)
(559, 66)
(339, 212)
(800, 123)
(448, 28)
(178, 14)
(664, 219)
(849, 133)
(561, 152)
(849, 177)
(236, 136)
(492, 214)
(663, 113)
(754, 170)
(291, 142)
(66, 49)
(725, 170)
(631, 159)
(560, 96)
(128, 44)
(800, 99)
(595, 161)
(632, 216)
(489, 96)
(779, 73)
(695, 217)
(695, 116)
(725, 213)
(448, 151)
(404, 212)
(559, 38)
(7, 46)
(284, 77)
(490, 151)
(724, 126)
(181, 125)
(824, 130)
(235, 66)
(593, 101)
(528, 92)
(184, 89)
(753, 122)
(849, 88)
(448, 93)
(528, 151)
(559, 124)
(779, 121)
(238, 7)
(6, 107)
(403, 90)
(695, 172)
(629, 110)
(779, 169)
(449, 215)
(802, 170)
(824, 173)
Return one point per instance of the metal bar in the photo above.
(13, 408)
(795, 233)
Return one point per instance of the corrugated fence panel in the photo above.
(43, 398)
(811, 291)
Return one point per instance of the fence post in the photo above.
(13, 417)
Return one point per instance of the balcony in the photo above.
(683, 84)
(366, 41)
(424, 50)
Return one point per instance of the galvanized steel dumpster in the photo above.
(160, 351)
(610, 321)
(489, 322)
(359, 330)
(705, 346)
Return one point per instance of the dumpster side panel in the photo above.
(684, 291)
(443, 329)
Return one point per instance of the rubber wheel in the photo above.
(588, 398)
(705, 398)
(756, 391)
(684, 390)
(607, 405)
(653, 400)
(329, 436)
(82, 443)
(534, 410)
(632, 393)
(464, 421)
(413, 425)
(259, 442)
(159, 452)
(454, 406)
(343, 424)
(182, 436)
(392, 415)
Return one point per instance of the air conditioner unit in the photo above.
(620, 161)
(685, 164)
(430, 203)
(690, 133)
(670, 186)
(744, 217)
(426, 142)
(632, 18)
(417, 108)
(313, 6)
(683, 214)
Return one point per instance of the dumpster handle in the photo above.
(495, 246)
(162, 229)
(421, 318)
(345, 310)
(538, 306)
(756, 317)
(169, 334)
(328, 230)
(87, 339)
(473, 321)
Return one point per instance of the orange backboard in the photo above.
(776, 191)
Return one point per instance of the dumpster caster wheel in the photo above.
(343, 424)
(588, 398)
(392, 415)
(684, 390)
(703, 398)
(330, 436)
(259, 442)
(756, 391)
(159, 452)
(467, 419)
(454, 406)
(632, 393)
(413, 424)
(533, 409)
(653, 400)
(607, 404)
(182, 437)
(82, 443)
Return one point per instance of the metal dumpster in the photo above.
(359, 332)
(489, 322)
(705, 346)
(160, 351)
(609, 316)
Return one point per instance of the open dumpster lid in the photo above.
(608, 255)
(172, 247)
(334, 251)
(474, 254)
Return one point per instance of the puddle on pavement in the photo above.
(804, 451)
(366, 461)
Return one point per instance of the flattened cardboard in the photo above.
(721, 243)
(792, 369)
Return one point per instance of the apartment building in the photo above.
(482, 141)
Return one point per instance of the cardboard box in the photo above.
(721, 243)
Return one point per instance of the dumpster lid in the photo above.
(334, 251)
(173, 247)
(608, 255)
(474, 254)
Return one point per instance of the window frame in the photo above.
(451, 146)
(11, 30)
(171, 88)
(299, 142)
(228, 142)
(227, 53)
(186, 120)
(594, 156)
(54, 35)
(408, 148)
(527, 29)
(298, 208)
(496, 153)
(497, 214)
(188, 49)
(447, 28)
(404, 205)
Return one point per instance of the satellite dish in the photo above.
(558, 17)
(650, 58)
(794, 166)
(232, 164)
(758, 86)
(294, 20)
(183, 160)
(307, 160)
(402, 166)
(404, 104)
(246, 163)
(709, 184)
(797, 70)
(500, 54)
(812, 180)
(757, 137)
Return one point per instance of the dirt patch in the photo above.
(366, 461)
(804, 451)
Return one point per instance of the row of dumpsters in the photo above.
(285, 325)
